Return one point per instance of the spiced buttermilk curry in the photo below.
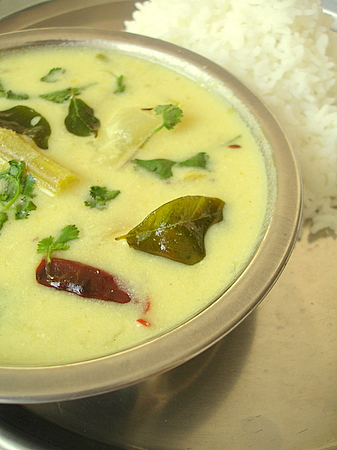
(130, 198)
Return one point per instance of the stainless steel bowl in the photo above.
(69, 381)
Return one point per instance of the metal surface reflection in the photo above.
(131, 417)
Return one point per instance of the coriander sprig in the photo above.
(53, 75)
(100, 196)
(163, 167)
(171, 116)
(49, 244)
(120, 85)
(62, 95)
(11, 95)
(16, 190)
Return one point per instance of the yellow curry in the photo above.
(121, 138)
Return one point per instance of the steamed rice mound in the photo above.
(282, 50)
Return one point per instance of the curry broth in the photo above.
(41, 325)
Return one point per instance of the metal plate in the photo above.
(270, 384)
(330, 7)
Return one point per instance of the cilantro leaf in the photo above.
(27, 186)
(99, 196)
(62, 95)
(53, 75)
(23, 208)
(13, 180)
(3, 218)
(16, 190)
(162, 167)
(45, 244)
(102, 57)
(120, 84)
(11, 183)
(68, 233)
(171, 116)
(49, 244)
(11, 95)
(198, 160)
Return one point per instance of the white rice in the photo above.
(282, 50)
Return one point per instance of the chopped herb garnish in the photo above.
(162, 167)
(100, 196)
(120, 84)
(3, 218)
(198, 160)
(12, 95)
(62, 95)
(16, 192)
(171, 116)
(23, 208)
(102, 57)
(176, 230)
(53, 75)
(49, 244)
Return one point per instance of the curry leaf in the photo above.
(176, 230)
(25, 120)
(162, 167)
(80, 119)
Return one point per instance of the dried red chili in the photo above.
(80, 279)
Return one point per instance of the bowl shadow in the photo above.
(163, 405)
